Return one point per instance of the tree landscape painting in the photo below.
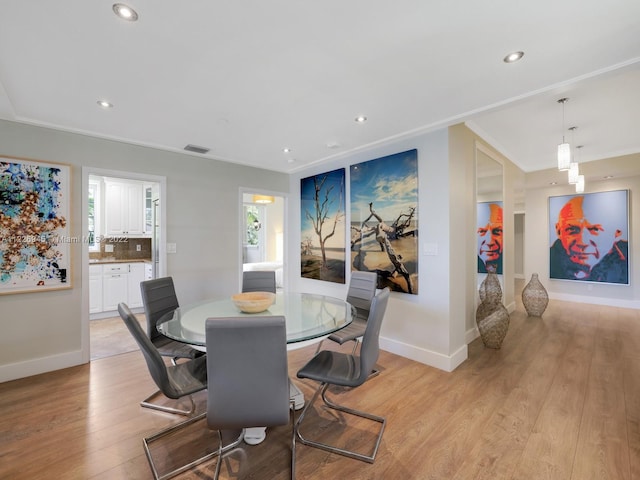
(384, 220)
(323, 247)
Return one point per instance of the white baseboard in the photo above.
(471, 335)
(448, 363)
(36, 366)
(607, 301)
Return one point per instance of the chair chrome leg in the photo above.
(222, 450)
(146, 403)
(148, 440)
(293, 440)
(330, 448)
(239, 439)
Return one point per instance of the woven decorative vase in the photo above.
(493, 325)
(534, 297)
(490, 285)
(492, 317)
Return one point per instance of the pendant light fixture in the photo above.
(574, 173)
(564, 149)
(574, 169)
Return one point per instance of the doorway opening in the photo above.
(124, 221)
(263, 233)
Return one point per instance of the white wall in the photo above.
(429, 327)
(43, 331)
(536, 258)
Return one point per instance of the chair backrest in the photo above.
(155, 364)
(370, 348)
(362, 289)
(259, 281)
(247, 375)
(159, 298)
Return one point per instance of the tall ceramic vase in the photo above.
(534, 297)
(492, 317)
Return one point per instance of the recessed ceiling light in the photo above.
(607, 177)
(553, 183)
(286, 150)
(105, 104)
(513, 57)
(125, 12)
(361, 119)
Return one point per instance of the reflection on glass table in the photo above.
(309, 318)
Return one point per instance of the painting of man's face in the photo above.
(489, 237)
(588, 237)
(490, 233)
(581, 238)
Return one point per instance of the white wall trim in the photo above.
(471, 335)
(36, 366)
(448, 363)
(607, 301)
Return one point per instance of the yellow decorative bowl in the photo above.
(253, 302)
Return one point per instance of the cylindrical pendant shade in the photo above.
(574, 173)
(580, 184)
(564, 156)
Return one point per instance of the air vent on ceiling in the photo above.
(196, 149)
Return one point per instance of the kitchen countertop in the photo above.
(100, 261)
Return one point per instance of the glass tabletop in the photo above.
(307, 315)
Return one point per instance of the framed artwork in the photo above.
(489, 231)
(34, 226)
(589, 237)
(323, 245)
(384, 220)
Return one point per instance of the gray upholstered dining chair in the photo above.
(159, 298)
(259, 281)
(362, 289)
(248, 377)
(174, 381)
(337, 368)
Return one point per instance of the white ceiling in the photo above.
(248, 78)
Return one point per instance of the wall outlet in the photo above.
(108, 248)
(138, 248)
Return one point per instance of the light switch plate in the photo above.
(171, 248)
(430, 248)
(108, 248)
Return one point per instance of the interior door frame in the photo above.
(285, 227)
(85, 343)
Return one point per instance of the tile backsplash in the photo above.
(124, 248)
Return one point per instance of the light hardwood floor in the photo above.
(560, 400)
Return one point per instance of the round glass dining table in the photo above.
(308, 317)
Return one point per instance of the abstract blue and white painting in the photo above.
(34, 226)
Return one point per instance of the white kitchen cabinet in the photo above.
(112, 283)
(115, 287)
(95, 288)
(148, 271)
(124, 208)
(136, 275)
